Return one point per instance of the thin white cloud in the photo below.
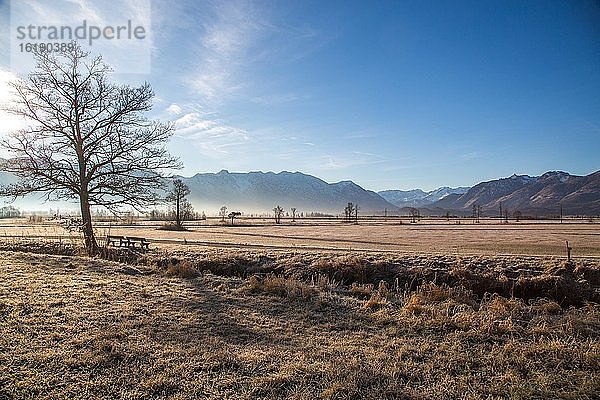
(227, 41)
(173, 109)
(209, 135)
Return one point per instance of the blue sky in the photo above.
(392, 95)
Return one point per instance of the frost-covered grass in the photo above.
(74, 327)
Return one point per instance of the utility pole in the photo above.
(500, 212)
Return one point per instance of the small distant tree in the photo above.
(293, 214)
(182, 209)
(517, 215)
(187, 212)
(476, 211)
(158, 215)
(561, 213)
(234, 214)
(278, 214)
(414, 213)
(223, 213)
(348, 212)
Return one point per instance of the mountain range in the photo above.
(419, 198)
(531, 195)
(259, 192)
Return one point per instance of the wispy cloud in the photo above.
(239, 40)
(174, 109)
(209, 135)
(225, 48)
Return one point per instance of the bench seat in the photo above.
(128, 241)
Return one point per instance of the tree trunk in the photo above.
(88, 230)
(177, 216)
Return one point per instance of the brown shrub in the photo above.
(280, 286)
(182, 269)
(361, 290)
(414, 305)
(376, 301)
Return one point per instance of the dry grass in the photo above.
(285, 287)
(74, 327)
(359, 273)
(182, 269)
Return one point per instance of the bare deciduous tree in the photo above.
(414, 213)
(517, 215)
(182, 207)
(89, 141)
(349, 212)
(293, 214)
(223, 213)
(278, 214)
(476, 213)
(233, 215)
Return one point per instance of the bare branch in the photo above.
(89, 139)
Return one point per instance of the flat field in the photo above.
(456, 237)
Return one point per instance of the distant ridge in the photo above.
(419, 198)
(261, 191)
(543, 195)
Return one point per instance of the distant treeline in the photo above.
(161, 215)
(9, 212)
